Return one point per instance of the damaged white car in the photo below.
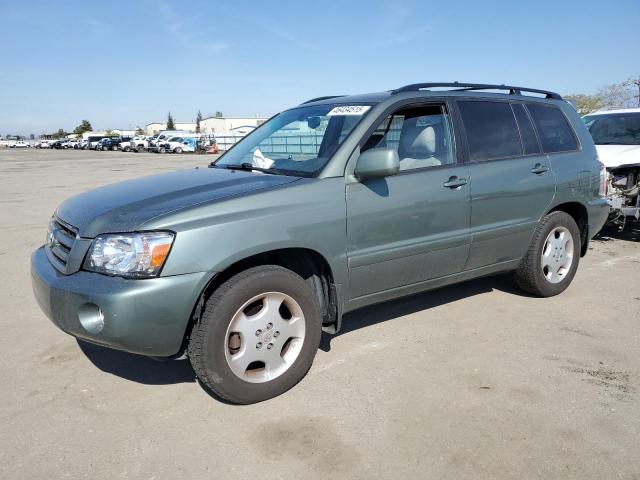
(616, 134)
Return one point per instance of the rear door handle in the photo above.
(539, 169)
(455, 182)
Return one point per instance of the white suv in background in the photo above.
(139, 143)
(616, 134)
(179, 145)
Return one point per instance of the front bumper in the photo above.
(147, 316)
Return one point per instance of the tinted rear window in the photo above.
(529, 140)
(554, 131)
(491, 130)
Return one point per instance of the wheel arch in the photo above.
(308, 263)
(581, 216)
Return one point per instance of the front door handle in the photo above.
(455, 182)
(539, 169)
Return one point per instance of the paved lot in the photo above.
(467, 382)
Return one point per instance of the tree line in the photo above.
(625, 94)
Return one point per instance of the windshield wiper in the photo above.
(248, 167)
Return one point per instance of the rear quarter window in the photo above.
(491, 130)
(556, 135)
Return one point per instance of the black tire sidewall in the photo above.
(556, 219)
(219, 311)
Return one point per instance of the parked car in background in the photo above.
(374, 197)
(165, 135)
(43, 144)
(139, 143)
(59, 144)
(81, 145)
(186, 143)
(125, 144)
(71, 144)
(93, 140)
(111, 143)
(616, 134)
(175, 145)
(21, 144)
(102, 143)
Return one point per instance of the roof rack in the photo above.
(476, 86)
(326, 97)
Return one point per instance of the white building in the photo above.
(233, 126)
(155, 127)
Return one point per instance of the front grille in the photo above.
(60, 242)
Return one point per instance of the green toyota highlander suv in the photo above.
(337, 203)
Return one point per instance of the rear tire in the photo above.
(177, 150)
(140, 149)
(257, 336)
(551, 262)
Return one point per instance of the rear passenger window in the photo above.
(529, 140)
(491, 130)
(554, 131)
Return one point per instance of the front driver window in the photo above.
(421, 136)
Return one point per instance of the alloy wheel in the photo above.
(557, 255)
(264, 337)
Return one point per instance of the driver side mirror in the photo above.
(377, 163)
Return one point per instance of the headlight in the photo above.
(133, 255)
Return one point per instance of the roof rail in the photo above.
(326, 97)
(476, 86)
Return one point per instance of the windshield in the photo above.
(297, 142)
(614, 128)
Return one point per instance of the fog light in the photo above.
(91, 318)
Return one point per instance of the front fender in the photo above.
(310, 214)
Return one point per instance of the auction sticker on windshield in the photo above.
(349, 110)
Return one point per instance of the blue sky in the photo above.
(122, 63)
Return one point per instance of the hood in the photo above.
(618, 155)
(127, 206)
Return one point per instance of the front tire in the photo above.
(257, 336)
(551, 262)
